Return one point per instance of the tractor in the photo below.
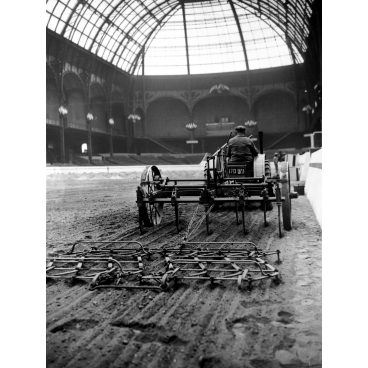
(241, 183)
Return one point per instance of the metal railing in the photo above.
(220, 126)
(116, 132)
(315, 139)
(52, 122)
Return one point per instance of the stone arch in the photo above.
(98, 107)
(167, 117)
(212, 108)
(77, 111)
(76, 100)
(116, 97)
(52, 94)
(97, 102)
(71, 81)
(96, 90)
(166, 95)
(275, 112)
(275, 89)
(118, 112)
(230, 93)
(52, 102)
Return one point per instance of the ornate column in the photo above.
(89, 123)
(62, 114)
(111, 122)
(191, 127)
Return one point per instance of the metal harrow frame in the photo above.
(89, 263)
(127, 268)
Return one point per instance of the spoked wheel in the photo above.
(154, 211)
(267, 169)
(285, 192)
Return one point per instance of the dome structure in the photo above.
(185, 36)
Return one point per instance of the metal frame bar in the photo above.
(127, 34)
(244, 51)
(186, 36)
(135, 63)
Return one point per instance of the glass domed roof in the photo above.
(188, 36)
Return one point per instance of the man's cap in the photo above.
(276, 154)
(240, 128)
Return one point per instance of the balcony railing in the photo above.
(52, 122)
(85, 127)
(76, 126)
(219, 129)
(316, 139)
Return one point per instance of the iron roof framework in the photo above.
(123, 32)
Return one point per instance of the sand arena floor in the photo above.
(195, 325)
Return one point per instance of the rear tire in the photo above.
(267, 169)
(285, 192)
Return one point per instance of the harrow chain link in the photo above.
(123, 267)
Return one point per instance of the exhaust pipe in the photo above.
(260, 137)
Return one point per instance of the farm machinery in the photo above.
(223, 182)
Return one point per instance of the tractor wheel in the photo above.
(269, 206)
(154, 211)
(285, 192)
(267, 169)
(205, 173)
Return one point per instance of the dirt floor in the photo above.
(194, 325)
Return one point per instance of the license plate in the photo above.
(237, 171)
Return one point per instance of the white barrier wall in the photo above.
(302, 162)
(313, 184)
(116, 169)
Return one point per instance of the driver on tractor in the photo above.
(241, 149)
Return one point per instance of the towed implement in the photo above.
(223, 182)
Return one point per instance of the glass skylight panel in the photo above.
(76, 37)
(60, 27)
(83, 40)
(65, 14)
(209, 38)
(59, 9)
(71, 3)
(213, 38)
(52, 23)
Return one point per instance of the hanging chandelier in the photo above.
(191, 126)
(219, 88)
(134, 117)
(63, 110)
(90, 116)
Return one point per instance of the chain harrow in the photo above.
(130, 268)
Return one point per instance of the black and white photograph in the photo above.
(183, 201)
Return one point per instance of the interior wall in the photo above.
(52, 102)
(99, 114)
(118, 115)
(212, 109)
(275, 112)
(76, 109)
(167, 117)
